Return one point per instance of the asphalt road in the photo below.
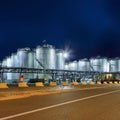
(91, 104)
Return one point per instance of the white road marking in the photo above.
(91, 88)
(57, 105)
(80, 89)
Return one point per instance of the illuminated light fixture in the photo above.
(66, 55)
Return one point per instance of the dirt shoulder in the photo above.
(16, 93)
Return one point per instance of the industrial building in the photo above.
(48, 64)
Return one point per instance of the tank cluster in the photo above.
(43, 57)
(98, 64)
(47, 57)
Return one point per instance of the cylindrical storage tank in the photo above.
(14, 60)
(31, 63)
(31, 59)
(36, 64)
(99, 64)
(46, 56)
(73, 66)
(60, 60)
(66, 67)
(118, 64)
(107, 67)
(9, 64)
(14, 64)
(35, 61)
(8, 60)
(4, 64)
(22, 55)
(83, 65)
(113, 65)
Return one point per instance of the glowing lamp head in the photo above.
(66, 55)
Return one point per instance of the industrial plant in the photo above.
(46, 63)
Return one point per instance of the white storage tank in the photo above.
(46, 55)
(14, 64)
(113, 65)
(66, 66)
(4, 64)
(35, 61)
(118, 62)
(31, 63)
(22, 55)
(73, 66)
(60, 60)
(14, 60)
(8, 60)
(31, 59)
(83, 65)
(99, 64)
(9, 64)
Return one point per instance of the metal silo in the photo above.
(31, 63)
(66, 66)
(60, 60)
(8, 60)
(113, 65)
(31, 59)
(14, 64)
(4, 64)
(22, 55)
(45, 58)
(46, 55)
(14, 60)
(118, 64)
(73, 65)
(99, 64)
(9, 64)
(83, 65)
(36, 64)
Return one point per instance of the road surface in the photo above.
(91, 104)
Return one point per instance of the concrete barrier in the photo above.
(3, 85)
(92, 83)
(115, 82)
(110, 82)
(75, 83)
(53, 84)
(99, 83)
(65, 83)
(84, 83)
(39, 84)
(105, 83)
(22, 84)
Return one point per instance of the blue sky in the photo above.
(88, 27)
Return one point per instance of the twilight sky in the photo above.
(87, 27)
